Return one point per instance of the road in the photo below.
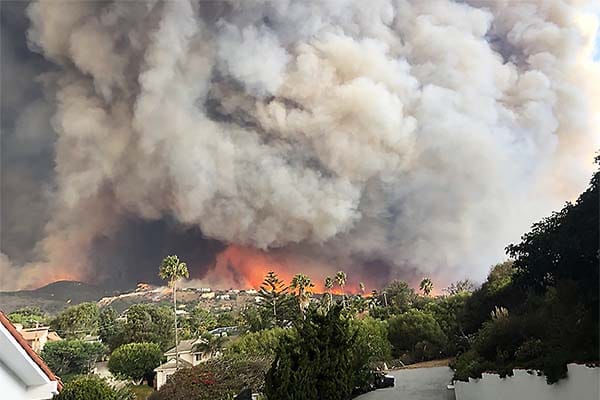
(416, 384)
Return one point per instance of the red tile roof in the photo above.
(32, 354)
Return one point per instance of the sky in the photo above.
(391, 140)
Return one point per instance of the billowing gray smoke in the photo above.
(416, 136)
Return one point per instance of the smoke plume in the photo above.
(388, 138)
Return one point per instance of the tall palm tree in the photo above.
(426, 286)
(302, 283)
(361, 286)
(210, 344)
(329, 286)
(340, 279)
(171, 270)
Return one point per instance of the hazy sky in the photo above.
(390, 139)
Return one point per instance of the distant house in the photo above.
(37, 337)
(188, 358)
(224, 331)
(23, 374)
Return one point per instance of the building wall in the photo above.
(582, 383)
(12, 387)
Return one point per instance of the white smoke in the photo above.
(424, 134)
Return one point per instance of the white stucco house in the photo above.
(23, 374)
(188, 358)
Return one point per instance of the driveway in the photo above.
(416, 384)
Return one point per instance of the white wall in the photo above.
(582, 383)
(12, 387)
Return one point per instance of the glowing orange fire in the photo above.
(245, 267)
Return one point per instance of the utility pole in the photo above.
(176, 335)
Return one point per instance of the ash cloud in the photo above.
(396, 138)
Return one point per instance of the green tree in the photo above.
(135, 360)
(72, 357)
(340, 279)
(149, 323)
(459, 287)
(256, 344)
(302, 284)
(318, 362)
(398, 296)
(29, 317)
(426, 286)
(273, 295)
(196, 323)
(563, 246)
(110, 330)
(211, 344)
(416, 333)
(92, 387)
(77, 321)
(172, 270)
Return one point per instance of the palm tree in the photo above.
(340, 279)
(329, 286)
(210, 344)
(426, 286)
(301, 283)
(361, 286)
(171, 270)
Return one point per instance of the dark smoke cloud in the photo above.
(389, 138)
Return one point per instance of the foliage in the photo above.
(545, 304)
(71, 357)
(227, 318)
(459, 287)
(262, 343)
(172, 269)
(216, 379)
(196, 323)
(371, 341)
(302, 284)
(110, 330)
(148, 323)
(447, 311)
(275, 302)
(563, 246)
(211, 344)
(77, 321)
(318, 362)
(135, 360)
(28, 317)
(417, 333)
(92, 387)
(426, 286)
(398, 296)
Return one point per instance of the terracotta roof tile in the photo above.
(32, 354)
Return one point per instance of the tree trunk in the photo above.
(176, 335)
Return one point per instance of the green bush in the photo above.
(72, 357)
(261, 343)
(319, 361)
(135, 360)
(416, 327)
(88, 387)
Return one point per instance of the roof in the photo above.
(171, 365)
(28, 350)
(184, 346)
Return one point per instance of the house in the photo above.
(188, 357)
(23, 374)
(37, 337)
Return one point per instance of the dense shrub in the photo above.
(135, 360)
(88, 387)
(217, 379)
(417, 333)
(72, 357)
(317, 362)
(261, 343)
